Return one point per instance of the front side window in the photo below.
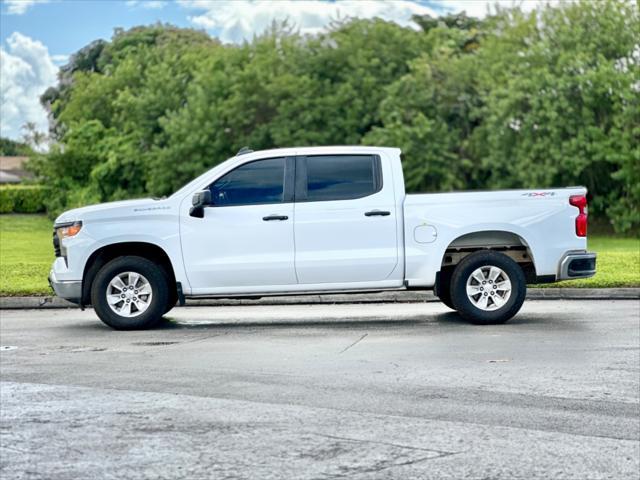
(341, 177)
(259, 182)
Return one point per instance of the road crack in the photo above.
(354, 343)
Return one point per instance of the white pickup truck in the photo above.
(317, 219)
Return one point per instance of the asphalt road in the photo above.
(382, 391)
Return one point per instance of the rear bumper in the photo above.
(577, 265)
(70, 290)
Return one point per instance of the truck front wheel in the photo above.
(488, 287)
(130, 293)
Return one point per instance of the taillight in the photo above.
(580, 201)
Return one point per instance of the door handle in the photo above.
(275, 217)
(377, 213)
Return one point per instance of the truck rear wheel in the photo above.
(488, 288)
(130, 293)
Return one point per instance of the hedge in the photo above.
(22, 198)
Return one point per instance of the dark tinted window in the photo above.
(253, 183)
(341, 177)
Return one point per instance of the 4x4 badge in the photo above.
(538, 194)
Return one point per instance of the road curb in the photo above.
(13, 303)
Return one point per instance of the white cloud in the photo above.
(480, 8)
(238, 20)
(18, 7)
(234, 21)
(474, 8)
(26, 70)
(148, 4)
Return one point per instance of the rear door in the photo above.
(345, 220)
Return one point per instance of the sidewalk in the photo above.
(382, 297)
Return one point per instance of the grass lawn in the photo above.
(26, 254)
(618, 264)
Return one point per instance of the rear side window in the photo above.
(341, 177)
(260, 182)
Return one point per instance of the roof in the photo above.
(326, 150)
(6, 177)
(12, 169)
(12, 163)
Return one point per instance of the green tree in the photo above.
(14, 148)
(279, 90)
(540, 99)
(107, 114)
(560, 103)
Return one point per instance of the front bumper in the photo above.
(577, 265)
(70, 290)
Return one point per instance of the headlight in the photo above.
(70, 229)
(62, 231)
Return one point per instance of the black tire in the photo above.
(159, 288)
(444, 288)
(169, 307)
(463, 303)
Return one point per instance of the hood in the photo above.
(113, 209)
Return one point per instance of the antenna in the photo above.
(243, 150)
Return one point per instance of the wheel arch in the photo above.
(505, 241)
(106, 253)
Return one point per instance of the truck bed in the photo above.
(542, 220)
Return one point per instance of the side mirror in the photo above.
(199, 201)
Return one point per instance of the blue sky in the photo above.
(37, 36)
(64, 27)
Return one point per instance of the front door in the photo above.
(346, 221)
(245, 240)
